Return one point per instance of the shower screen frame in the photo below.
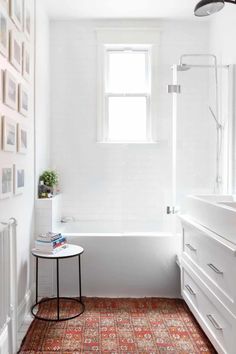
(229, 132)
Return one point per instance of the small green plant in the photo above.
(49, 178)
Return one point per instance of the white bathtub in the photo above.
(118, 261)
(111, 228)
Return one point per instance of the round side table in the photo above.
(69, 252)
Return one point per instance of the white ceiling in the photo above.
(65, 9)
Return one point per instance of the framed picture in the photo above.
(1, 84)
(27, 19)
(5, 4)
(9, 135)
(15, 50)
(22, 139)
(3, 34)
(23, 100)
(10, 91)
(6, 182)
(26, 62)
(16, 7)
(19, 179)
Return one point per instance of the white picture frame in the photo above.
(4, 33)
(26, 62)
(23, 100)
(8, 135)
(27, 19)
(22, 139)
(6, 181)
(16, 11)
(5, 4)
(19, 179)
(1, 85)
(10, 90)
(15, 50)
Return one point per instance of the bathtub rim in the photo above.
(124, 234)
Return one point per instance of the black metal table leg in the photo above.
(58, 297)
(80, 290)
(36, 293)
(75, 251)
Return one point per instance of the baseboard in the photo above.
(25, 306)
(4, 347)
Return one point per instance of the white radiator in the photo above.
(8, 287)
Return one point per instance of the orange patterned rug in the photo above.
(118, 326)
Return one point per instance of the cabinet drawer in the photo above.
(215, 259)
(218, 325)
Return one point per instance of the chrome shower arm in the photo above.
(199, 56)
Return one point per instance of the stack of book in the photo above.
(50, 243)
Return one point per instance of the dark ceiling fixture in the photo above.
(209, 7)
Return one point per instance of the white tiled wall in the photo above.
(115, 182)
(222, 38)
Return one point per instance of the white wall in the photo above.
(21, 207)
(222, 34)
(104, 181)
(42, 98)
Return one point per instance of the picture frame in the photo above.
(19, 179)
(5, 4)
(15, 50)
(22, 139)
(10, 90)
(6, 182)
(8, 135)
(4, 33)
(27, 19)
(16, 11)
(26, 62)
(23, 100)
(1, 85)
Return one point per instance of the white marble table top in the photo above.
(69, 251)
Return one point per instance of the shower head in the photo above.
(209, 7)
(183, 67)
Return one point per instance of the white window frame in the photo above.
(146, 94)
(126, 39)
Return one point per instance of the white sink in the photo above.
(215, 212)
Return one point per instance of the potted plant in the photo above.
(50, 180)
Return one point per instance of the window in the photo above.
(126, 78)
(127, 94)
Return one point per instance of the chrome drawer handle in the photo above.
(214, 323)
(191, 247)
(190, 290)
(216, 270)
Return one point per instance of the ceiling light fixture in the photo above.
(209, 7)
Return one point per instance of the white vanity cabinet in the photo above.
(208, 283)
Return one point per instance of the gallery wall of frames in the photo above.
(15, 77)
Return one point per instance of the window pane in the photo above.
(127, 118)
(127, 72)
